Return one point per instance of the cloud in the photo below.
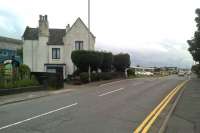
(162, 53)
(10, 24)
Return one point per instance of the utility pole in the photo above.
(89, 23)
(89, 69)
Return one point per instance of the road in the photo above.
(118, 107)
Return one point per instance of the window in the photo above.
(55, 53)
(78, 45)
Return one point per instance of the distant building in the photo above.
(49, 50)
(8, 49)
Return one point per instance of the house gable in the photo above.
(79, 24)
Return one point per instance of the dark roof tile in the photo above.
(55, 35)
(30, 33)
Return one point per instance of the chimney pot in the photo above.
(45, 17)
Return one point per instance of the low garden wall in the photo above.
(20, 90)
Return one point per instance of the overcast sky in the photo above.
(153, 32)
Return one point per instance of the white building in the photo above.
(49, 50)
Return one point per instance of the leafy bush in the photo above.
(106, 75)
(24, 71)
(95, 77)
(19, 83)
(121, 62)
(84, 77)
(131, 72)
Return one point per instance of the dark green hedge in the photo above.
(121, 62)
(83, 59)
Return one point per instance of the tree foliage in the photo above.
(83, 59)
(194, 43)
(107, 62)
(121, 61)
(196, 69)
(103, 60)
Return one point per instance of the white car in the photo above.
(181, 73)
(148, 73)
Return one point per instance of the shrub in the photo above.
(106, 75)
(19, 83)
(24, 71)
(84, 77)
(95, 77)
(121, 62)
(131, 72)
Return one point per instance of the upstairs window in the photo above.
(78, 45)
(55, 53)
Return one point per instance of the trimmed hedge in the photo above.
(121, 62)
(19, 83)
(99, 76)
(84, 58)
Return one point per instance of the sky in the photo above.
(153, 32)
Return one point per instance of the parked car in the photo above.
(181, 73)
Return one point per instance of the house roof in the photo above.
(30, 33)
(79, 20)
(55, 35)
(10, 40)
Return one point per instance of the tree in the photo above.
(194, 43)
(121, 62)
(107, 61)
(24, 71)
(84, 58)
(196, 69)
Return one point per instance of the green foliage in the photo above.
(19, 83)
(24, 71)
(131, 72)
(106, 75)
(84, 77)
(107, 62)
(95, 76)
(121, 62)
(196, 69)
(83, 59)
(194, 43)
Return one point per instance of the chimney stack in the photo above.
(67, 27)
(43, 26)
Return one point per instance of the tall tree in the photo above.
(121, 62)
(194, 43)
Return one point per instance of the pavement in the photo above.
(186, 116)
(117, 107)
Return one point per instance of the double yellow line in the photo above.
(150, 119)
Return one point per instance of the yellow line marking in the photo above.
(158, 108)
(145, 130)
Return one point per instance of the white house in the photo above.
(49, 50)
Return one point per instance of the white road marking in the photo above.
(37, 116)
(111, 83)
(110, 92)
